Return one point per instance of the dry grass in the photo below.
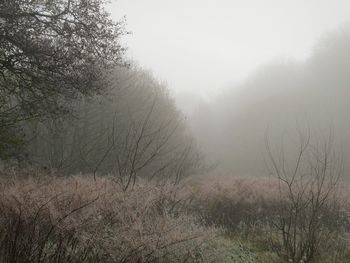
(251, 209)
(230, 201)
(77, 219)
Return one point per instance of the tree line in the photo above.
(71, 102)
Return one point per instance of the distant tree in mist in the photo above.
(135, 131)
(50, 53)
(313, 92)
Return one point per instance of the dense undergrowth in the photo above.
(250, 210)
(79, 219)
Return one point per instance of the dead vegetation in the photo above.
(203, 219)
(77, 219)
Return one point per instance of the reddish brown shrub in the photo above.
(77, 219)
(230, 201)
(262, 210)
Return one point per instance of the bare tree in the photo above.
(144, 146)
(309, 211)
(137, 132)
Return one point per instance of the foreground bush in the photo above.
(261, 211)
(231, 202)
(77, 219)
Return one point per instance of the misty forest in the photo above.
(102, 160)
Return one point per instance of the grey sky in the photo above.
(201, 46)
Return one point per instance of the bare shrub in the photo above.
(310, 215)
(77, 219)
(232, 201)
(258, 211)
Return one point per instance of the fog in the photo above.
(242, 71)
(279, 101)
(175, 131)
(201, 48)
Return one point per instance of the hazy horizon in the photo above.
(202, 47)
